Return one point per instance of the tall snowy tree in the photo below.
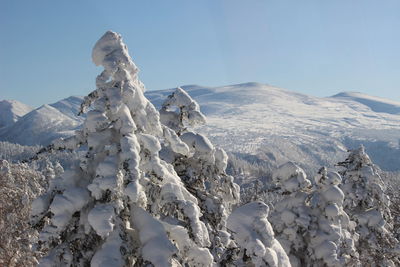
(122, 205)
(368, 205)
(331, 237)
(202, 170)
(291, 217)
(309, 221)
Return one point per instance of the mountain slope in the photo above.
(70, 107)
(376, 104)
(279, 125)
(267, 122)
(11, 111)
(44, 124)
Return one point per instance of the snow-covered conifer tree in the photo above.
(254, 234)
(291, 216)
(122, 205)
(331, 236)
(367, 204)
(202, 170)
(310, 222)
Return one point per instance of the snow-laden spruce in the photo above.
(122, 204)
(309, 221)
(255, 236)
(291, 216)
(368, 204)
(202, 170)
(331, 236)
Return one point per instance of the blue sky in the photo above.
(313, 47)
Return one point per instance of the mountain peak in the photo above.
(11, 111)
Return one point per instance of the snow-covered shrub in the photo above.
(254, 234)
(122, 205)
(368, 205)
(15, 152)
(19, 185)
(201, 168)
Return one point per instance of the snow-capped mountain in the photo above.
(11, 111)
(70, 107)
(280, 125)
(44, 124)
(271, 123)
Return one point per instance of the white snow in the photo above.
(188, 111)
(253, 232)
(109, 254)
(110, 50)
(101, 219)
(375, 103)
(156, 246)
(291, 177)
(64, 205)
(194, 255)
(262, 120)
(197, 143)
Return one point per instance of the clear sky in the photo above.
(313, 47)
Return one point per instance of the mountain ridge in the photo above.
(265, 121)
(11, 111)
(377, 104)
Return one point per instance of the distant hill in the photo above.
(44, 124)
(376, 104)
(11, 111)
(267, 122)
(280, 125)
